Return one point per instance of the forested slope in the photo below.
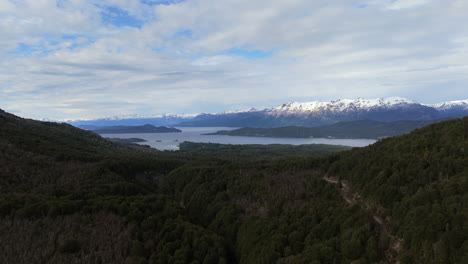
(351, 129)
(69, 196)
(419, 182)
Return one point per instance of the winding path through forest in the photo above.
(351, 198)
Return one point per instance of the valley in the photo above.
(215, 203)
(233, 132)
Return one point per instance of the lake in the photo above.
(170, 141)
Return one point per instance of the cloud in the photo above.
(250, 54)
(400, 4)
(87, 58)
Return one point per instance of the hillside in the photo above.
(69, 195)
(419, 183)
(252, 150)
(127, 140)
(353, 129)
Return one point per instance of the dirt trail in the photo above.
(347, 195)
(351, 199)
(330, 180)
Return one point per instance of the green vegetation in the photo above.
(353, 129)
(420, 182)
(126, 140)
(68, 195)
(70, 246)
(251, 151)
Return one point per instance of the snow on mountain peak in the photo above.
(174, 115)
(341, 107)
(249, 110)
(344, 104)
(463, 104)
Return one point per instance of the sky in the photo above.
(86, 59)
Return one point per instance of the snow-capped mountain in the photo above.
(318, 113)
(134, 120)
(344, 106)
(451, 109)
(347, 104)
(451, 105)
(315, 113)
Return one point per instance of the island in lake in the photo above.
(344, 130)
(127, 140)
(135, 129)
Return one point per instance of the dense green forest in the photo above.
(419, 182)
(126, 140)
(253, 151)
(352, 129)
(68, 195)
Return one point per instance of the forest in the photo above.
(69, 195)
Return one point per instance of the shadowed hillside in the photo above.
(419, 183)
(352, 129)
(70, 196)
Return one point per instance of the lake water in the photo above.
(171, 141)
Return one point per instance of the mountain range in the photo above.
(311, 114)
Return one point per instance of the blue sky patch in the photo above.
(250, 54)
(118, 17)
(49, 44)
(25, 49)
(60, 3)
(159, 49)
(187, 33)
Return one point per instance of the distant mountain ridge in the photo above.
(350, 129)
(160, 120)
(318, 113)
(310, 114)
(135, 129)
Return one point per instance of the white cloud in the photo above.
(401, 4)
(74, 65)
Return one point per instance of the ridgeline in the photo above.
(352, 129)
